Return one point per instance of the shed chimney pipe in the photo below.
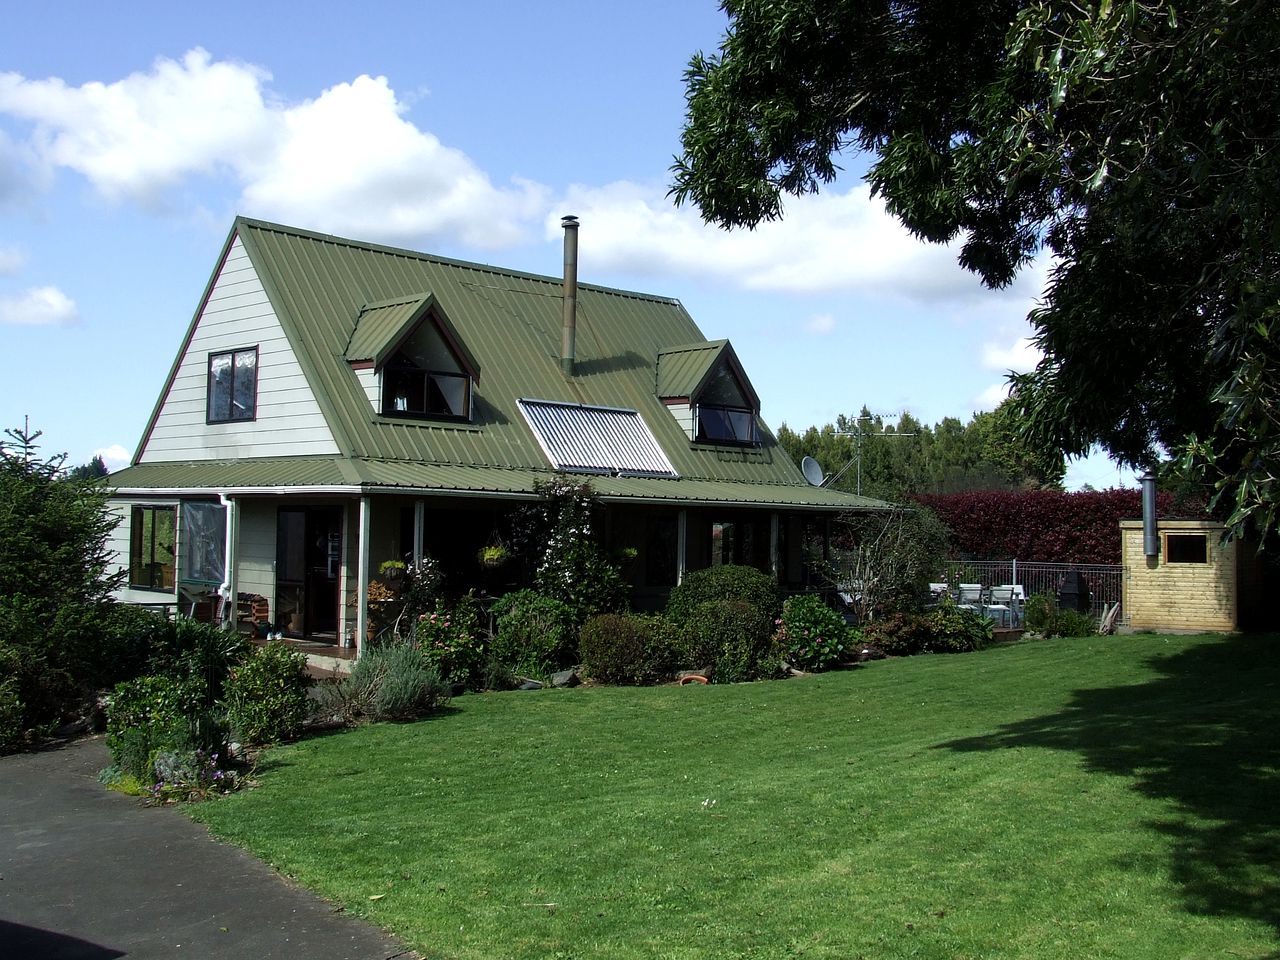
(569, 331)
(1150, 534)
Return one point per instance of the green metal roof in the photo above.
(325, 290)
(339, 474)
(381, 326)
(683, 370)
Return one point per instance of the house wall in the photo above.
(256, 552)
(289, 421)
(1159, 595)
(683, 414)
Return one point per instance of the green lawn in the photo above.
(1108, 797)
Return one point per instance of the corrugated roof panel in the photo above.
(584, 439)
(681, 370)
(380, 325)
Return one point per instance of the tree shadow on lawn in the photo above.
(1204, 735)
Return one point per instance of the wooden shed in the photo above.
(1194, 583)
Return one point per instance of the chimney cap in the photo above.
(569, 220)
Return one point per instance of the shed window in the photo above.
(1186, 548)
(151, 548)
(233, 386)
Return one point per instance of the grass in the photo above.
(1106, 797)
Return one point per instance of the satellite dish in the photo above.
(812, 471)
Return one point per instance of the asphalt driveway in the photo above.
(88, 874)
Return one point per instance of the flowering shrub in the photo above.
(190, 775)
(405, 593)
(571, 567)
(451, 640)
(811, 635)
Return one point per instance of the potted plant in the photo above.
(493, 556)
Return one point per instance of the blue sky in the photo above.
(129, 141)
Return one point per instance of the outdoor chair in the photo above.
(970, 596)
(1001, 604)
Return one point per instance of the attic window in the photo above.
(725, 413)
(425, 379)
(606, 440)
(233, 386)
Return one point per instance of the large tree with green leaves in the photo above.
(1136, 141)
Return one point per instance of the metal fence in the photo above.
(1105, 580)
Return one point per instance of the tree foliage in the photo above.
(910, 457)
(55, 578)
(1135, 141)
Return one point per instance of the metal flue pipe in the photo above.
(569, 330)
(1150, 533)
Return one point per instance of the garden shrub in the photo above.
(130, 636)
(451, 639)
(267, 694)
(811, 635)
(10, 715)
(1037, 611)
(1041, 615)
(626, 648)
(745, 584)
(392, 681)
(732, 639)
(956, 630)
(205, 652)
(1070, 623)
(535, 633)
(899, 634)
(153, 713)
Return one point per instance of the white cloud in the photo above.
(825, 243)
(992, 397)
(1020, 356)
(346, 161)
(39, 307)
(114, 456)
(821, 324)
(11, 261)
(350, 159)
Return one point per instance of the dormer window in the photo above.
(408, 391)
(704, 387)
(411, 362)
(718, 424)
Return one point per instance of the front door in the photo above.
(308, 565)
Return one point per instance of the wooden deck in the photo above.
(324, 661)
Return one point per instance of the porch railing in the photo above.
(1105, 580)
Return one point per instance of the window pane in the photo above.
(1186, 548)
(204, 527)
(151, 548)
(220, 387)
(713, 424)
(447, 395)
(244, 399)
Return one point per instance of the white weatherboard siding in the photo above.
(683, 414)
(238, 315)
